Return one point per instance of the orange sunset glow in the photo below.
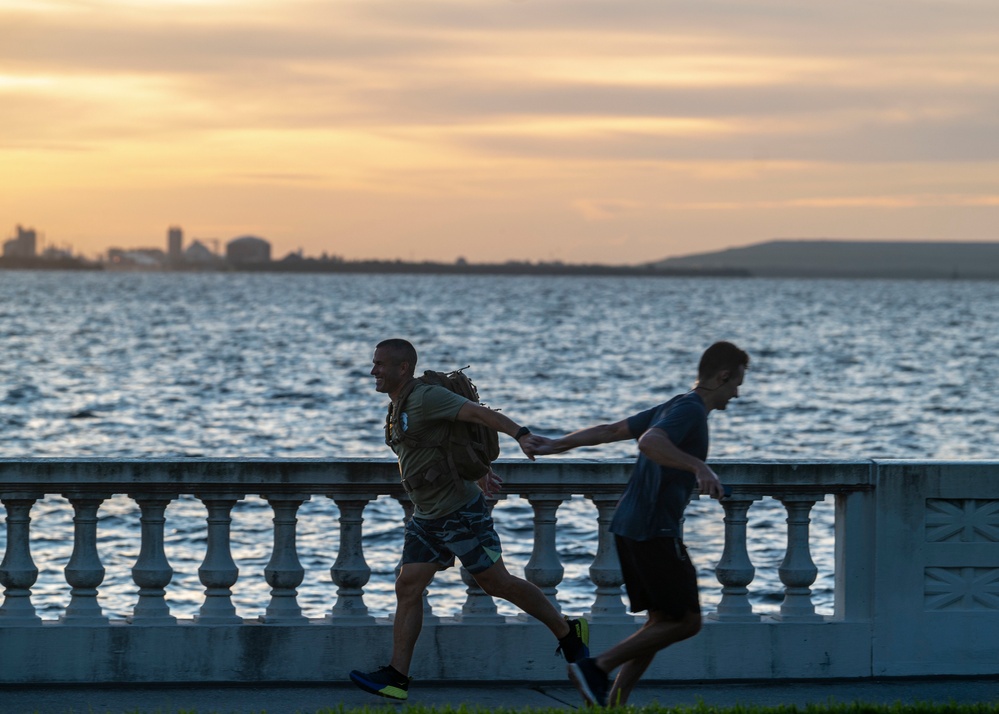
(574, 130)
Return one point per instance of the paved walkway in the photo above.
(292, 699)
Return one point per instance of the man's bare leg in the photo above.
(497, 581)
(635, 653)
(409, 586)
(627, 677)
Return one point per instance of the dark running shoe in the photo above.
(590, 680)
(576, 644)
(385, 682)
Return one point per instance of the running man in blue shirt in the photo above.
(658, 575)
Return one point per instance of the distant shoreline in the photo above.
(306, 265)
(299, 265)
(310, 265)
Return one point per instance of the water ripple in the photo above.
(239, 365)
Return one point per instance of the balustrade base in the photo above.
(720, 617)
(449, 650)
(617, 619)
(92, 621)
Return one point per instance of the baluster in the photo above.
(284, 573)
(605, 571)
(17, 571)
(798, 571)
(544, 568)
(218, 571)
(152, 573)
(735, 570)
(428, 611)
(478, 605)
(350, 571)
(84, 572)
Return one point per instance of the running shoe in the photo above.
(576, 644)
(591, 681)
(385, 682)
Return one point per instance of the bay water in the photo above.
(148, 365)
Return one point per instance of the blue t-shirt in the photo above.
(655, 497)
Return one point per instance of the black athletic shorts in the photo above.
(658, 575)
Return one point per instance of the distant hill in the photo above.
(850, 259)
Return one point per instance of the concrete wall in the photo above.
(937, 549)
(917, 580)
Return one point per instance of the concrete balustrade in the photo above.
(916, 582)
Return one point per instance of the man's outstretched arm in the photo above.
(591, 436)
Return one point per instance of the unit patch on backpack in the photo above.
(470, 448)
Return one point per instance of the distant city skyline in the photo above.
(177, 247)
(590, 131)
(775, 258)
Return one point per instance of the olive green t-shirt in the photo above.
(427, 416)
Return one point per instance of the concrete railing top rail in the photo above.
(381, 475)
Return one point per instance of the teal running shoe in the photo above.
(385, 682)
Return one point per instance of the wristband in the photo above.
(521, 433)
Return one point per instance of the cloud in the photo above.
(723, 103)
(604, 209)
(879, 202)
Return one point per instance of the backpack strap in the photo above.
(394, 433)
(406, 391)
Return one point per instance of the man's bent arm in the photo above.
(656, 445)
(478, 414)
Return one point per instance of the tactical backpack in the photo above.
(469, 448)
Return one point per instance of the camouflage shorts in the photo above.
(467, 533)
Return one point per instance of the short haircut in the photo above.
(719, 357)
(401, 350)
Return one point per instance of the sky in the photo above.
(585, 131)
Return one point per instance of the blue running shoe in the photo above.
(591, 681)
(385, 682)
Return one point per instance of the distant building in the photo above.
(24, 245)
(136, 258)
(175, 244)
(248, 249)
(53, 253)
(199, 254)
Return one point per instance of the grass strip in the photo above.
(831, 708)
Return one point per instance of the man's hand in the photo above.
(491, 484)
(534, 445)
(529, 444)
(708, 483)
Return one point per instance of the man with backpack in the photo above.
(658, 575)
(450, 516)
